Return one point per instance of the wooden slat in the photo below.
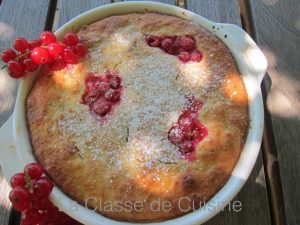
(25, 18)
(66, 10)
(171, 2)
(253, 196)
(226, 11)
(276, 27)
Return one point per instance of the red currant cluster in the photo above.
(46, 50)
(102, 92)
(184, 47)
(29, 195)
(188, 131)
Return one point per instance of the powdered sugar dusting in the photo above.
(153, 98)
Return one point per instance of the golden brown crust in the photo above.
(95, 162)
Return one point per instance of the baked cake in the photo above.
(157, 112)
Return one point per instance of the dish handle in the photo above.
(255, 60)
(8, 150)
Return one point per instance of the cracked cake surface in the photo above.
(126, 155)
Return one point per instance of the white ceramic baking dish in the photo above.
(16, 150)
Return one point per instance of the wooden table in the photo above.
(271, 194)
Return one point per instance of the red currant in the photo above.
(8, 54)
(187, 43)
(71, 39)
(101, 107)
(58, 64)
(15, 69)
(176, 135)
(47, 37)
(30, 65)
(80, 50)
(33, 44)
(184, 56)
(153, 41)
(196, 56)
(34, 170)
(20, 198)
(21, 44)
(31, 217)
(166, 44)
(18, 180)
(40, 55)
(54, 49)
(112, 95)
(186, 147)
(42, 187)
(115, 82)
(41, 204)
(69, 56)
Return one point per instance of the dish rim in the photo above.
(251, 63)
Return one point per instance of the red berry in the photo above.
(54, 49)
(31, 217)
(41, 204)
(40, 55)
(21, 44)
(58, 64)
(186, 124)
(71, 39)
(47, 37)
(69, 56)
(8, 54)
(42, 187)
(186, 147)
(33, 44)
(80, 50)
(101, 87)
(34, 170)
(112, 95)
(187, 43)
(20, 198)
(90, 79)
(184, 56)
(176, 135)
(101, 107)
(196, 56)
(29, 65)
(89, 96)
(15, 69)
(18, 180)
(115, 82)
(153, 41)
(166, 44)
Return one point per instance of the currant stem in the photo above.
(22, 55)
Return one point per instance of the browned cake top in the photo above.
(131, 152)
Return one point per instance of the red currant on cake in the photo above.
(47, 37)
(71, 39)
(69, 55)
(102, 92)
(188, 131)
(54, 49)
(184, 47)
(40, 55)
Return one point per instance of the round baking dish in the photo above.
(16, 150)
